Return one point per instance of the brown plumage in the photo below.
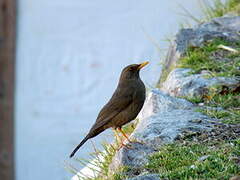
(124, 105)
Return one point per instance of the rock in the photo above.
(192, 167)
(230, 23)
(203, 158)
(227, 28)
(224, 27)
(161, 120)
(146, 177)
(135, 157)
(165, 118)
(181, 83)
(235, 178)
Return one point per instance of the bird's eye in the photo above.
(131, 68)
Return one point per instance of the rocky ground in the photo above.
(168, 117)
(189, 127)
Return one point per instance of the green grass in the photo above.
(213, 9)
(210, 10)
(229, 105)
(202, 58)
(102, 159)
(229, 117)
(100, 165)
(193, 99)
(219, 63)
(179, 161)
(225, 107)
(129, 128)
(219, 8)
(227, 101)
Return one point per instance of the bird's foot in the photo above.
(128, 146)
(135, 141)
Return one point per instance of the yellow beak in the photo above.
(143, 64)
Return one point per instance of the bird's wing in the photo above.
(120, 100)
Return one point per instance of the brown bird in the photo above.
(123, 107)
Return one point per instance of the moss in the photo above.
(179, 161)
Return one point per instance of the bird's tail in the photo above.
(81, 143)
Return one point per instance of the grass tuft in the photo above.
(196, 161)
(225, 107)
(211, 9)
(206, 58)
(219, 8)
(100, 161)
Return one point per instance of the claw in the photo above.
(121, 131)
(128, 146)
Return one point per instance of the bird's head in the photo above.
(132, 71)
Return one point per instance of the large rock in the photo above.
(165, 118)
(180, 83)
(227, 28)
(224, 27)
(161, 120)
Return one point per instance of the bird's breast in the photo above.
(133, 108)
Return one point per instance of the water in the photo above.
(69, 57)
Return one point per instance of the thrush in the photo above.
(124, 105)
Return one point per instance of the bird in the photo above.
(124, 105)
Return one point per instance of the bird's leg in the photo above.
(121, 141)
(121, 131)
(125, 145)
(118, 138)
(131, 141)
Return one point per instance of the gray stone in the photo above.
(223, 27)
(165, 118)
(161, 120)
(229, 23)
(227, 28)
(146, 177)
(181, 83)
(135, 157)
(203, 158)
